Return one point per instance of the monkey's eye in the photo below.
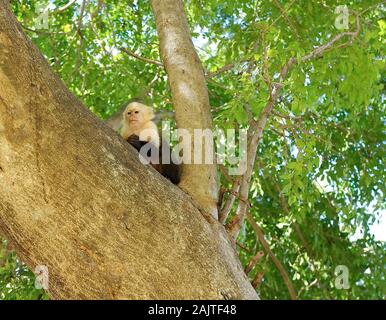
(136, 111)
(129, 112)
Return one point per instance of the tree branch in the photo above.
(79, 33)
(134, 55)
(276, 262)
(190, 97)
(284, 14)
(254, 260)
(223, 69)
(320, 50)
(65, 7)
(230, 200)
(80, 20)
(255, 134)
(256, 128)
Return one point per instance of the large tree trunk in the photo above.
(189, 94)
(75, 198)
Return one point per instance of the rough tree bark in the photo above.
(189, 94)
(75, 198)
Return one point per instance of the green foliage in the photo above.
(16, 281)
(321, 160)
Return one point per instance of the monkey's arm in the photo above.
(170, 170)
(150, 133)
(151, 151)
(135, 142)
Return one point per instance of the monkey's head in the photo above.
(137, 114)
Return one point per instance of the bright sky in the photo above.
(379, 230)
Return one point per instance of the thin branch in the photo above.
(284, 14)
(298, 231)
(254, 136)
(230, 66)
(223, 69)
(313, 283)
(79, 33)
(256, 282)
(80, 20)
(147, 90)
(65, 7)
(288, 117)
(320, 50)
(243, 247)
(96, 11)
(265, 67)
(276, 262)
(209, 80)
(225, 173)
(256, 128)
(280, 133)
(134, 55)
(95, 31)
(100, 42)
(42, 32)
(371, 7)
(224, 213)
(254, 260)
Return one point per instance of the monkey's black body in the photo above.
(170, 170)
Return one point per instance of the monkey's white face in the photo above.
(134, 116)
(137, 114)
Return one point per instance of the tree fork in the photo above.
(75, 198)
(189, 94)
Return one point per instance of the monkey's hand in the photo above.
(135, 142)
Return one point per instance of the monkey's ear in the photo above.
(125, 111)
(149, 113)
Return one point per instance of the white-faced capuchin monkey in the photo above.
(139, 130)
